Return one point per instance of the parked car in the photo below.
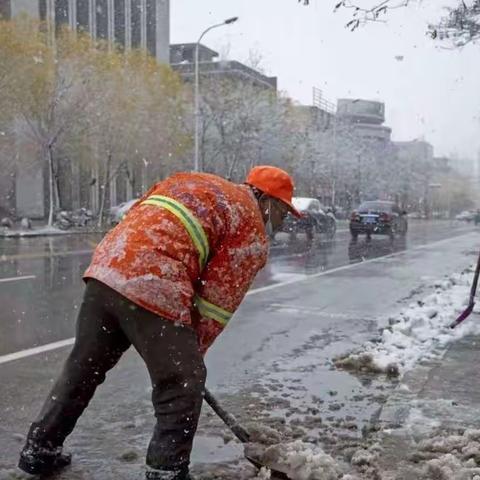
(476, 218)
(378, 218)
(117, 212)
(82, 217)
(315, 220)
(465, 216)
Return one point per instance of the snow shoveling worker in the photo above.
(166, 280)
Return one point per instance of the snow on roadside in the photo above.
(264, 474)
(305, 461)
(418, 332)
(35, 232)
(447, 456)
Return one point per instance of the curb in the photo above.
(32, 233)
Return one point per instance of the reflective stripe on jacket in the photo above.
(193, 227)
(202, 248)
(200, 240)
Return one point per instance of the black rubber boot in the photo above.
(41, 461)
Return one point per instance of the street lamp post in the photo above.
(229, 21)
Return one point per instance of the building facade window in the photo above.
(151, 7)
(136, 23)
(42, 10)
(101, 11)
(83, 15)
(61, 13)
(5, 9)
(119, 23)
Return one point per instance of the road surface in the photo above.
(272, 366)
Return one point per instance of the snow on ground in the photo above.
(419, 332)
(304, 461)
(264, 474)
(9, 473)
(35, 232)
(299, 460)
(448, 456)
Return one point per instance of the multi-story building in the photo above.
(240, 81)
(182, 60)
(415, 169)
(470, 169)
(366, 116)
(143, 24)
(418, 151)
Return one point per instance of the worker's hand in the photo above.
(207, 331)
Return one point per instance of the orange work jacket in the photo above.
(187, 251)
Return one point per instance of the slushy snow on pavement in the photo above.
(419, 332)
(299, 460)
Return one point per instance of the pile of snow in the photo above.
(419, 332)
(451, 457)
(263, 434)
(264, 474)
(299, 460)
(449, 467)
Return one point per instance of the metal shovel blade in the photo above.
(276, 474)
(471, 303)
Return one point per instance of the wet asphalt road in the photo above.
(41, 286)
(272, 365)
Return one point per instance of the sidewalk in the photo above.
(427, 427)
(45, 231)
(33, 232)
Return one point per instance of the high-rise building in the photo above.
(143, 24)
(129, 24)
(182, 60)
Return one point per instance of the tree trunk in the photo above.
(231, 170)
(51, 181)
(56, 187)
(103, 191)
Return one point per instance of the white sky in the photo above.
(433, 93)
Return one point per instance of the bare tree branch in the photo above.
(459, 27)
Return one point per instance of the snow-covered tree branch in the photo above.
(460, 26)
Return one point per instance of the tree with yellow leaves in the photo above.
(106, 111)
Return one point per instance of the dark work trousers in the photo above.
(107, 325)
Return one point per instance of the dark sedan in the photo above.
(378, 218)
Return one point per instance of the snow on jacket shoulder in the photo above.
(188, 251)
